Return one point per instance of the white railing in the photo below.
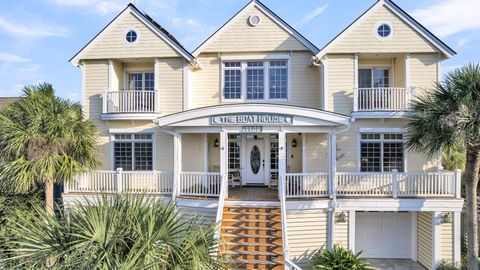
(221, 204)
(364, 184)
(382, 99)
(119, 181)
(304, 185)
(131, 101)
(283, 214)
(199, 184)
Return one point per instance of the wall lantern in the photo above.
(340, 217)
(446, 218)
(216, 143)
(294, 143)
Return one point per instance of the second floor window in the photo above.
(133, 152)
(381, 152)
(141, 81)
(255, 80)
(373, 77)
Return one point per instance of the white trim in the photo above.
(436, 238)
(457, 237)
(82, 100)
(124, 37)
(407, 71)
(382, 130)
(132, 130)
(110, 75)
(389, 115)
(351, 230)
(130, 116)
(331, 228)
(356, 66)
(250, 20)
(205, 152)
(375, 30)
(414, 236)
(325, 83)
(267, 13)
(404, 16)
(75, 60)
(152, 131)
(186, 86)
(304, 152)
(246, 57)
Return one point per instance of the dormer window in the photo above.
(257, 80)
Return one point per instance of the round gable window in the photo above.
(131, 36)
(254, 20)
(383, 30)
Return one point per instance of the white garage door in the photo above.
(383, 235)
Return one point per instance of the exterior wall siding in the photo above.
(111, 43)
(424, 239)
(362, 38)
(307, 233)
(341, 80)
(317, 152)
(170, 84)
(423, 71)
(341, 232)
(446, 241)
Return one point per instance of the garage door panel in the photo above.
(383, 235)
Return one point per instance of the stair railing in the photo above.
(221, 204)
(289, 265)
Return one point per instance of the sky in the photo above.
(38, 37)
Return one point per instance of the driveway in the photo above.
(392, 264)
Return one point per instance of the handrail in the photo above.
(283, 211)
(221, 203)
(291, 265)
(382, 98)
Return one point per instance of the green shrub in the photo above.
(339, 258)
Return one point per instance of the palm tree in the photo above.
(449, 116)
(117, 232)
(43, 139)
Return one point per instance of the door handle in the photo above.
(263, 163)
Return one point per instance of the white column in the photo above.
(332, 164)
(325, 83)
(282, 157)
(355, 83)
(304, 152)
(177, 163)
(156, 82)
(457, 237)
(224, 156)
(436, 227)
(351, 230)
(205, 152)
(407, 70)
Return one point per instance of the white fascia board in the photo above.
(373, 115)
(129, 116)
(255, 57)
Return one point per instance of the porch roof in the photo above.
(300, 116)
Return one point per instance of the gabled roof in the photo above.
(271, 15)
(409, 20)
(150, 23)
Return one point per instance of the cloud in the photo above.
(96, 6)
(32, 30)
(449, 17)
(314, 13)
(6, 58)
(463, 41)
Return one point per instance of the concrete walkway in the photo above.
(392, 264)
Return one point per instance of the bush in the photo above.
(339, 258)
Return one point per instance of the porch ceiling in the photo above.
(301, 116)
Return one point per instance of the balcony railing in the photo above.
(200, 184)
(382, 99)
(131, 101)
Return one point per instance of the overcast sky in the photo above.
(38, 37)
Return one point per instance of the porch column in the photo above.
(224, 157)
(282, 157)
(332, 164)
(436, 227)
(177, 163)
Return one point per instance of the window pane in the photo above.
(381, 77)
(255, 80)
(393, 136)
(274, 155)
(364, 78)
(123, 136)
(278, 80)
(143, 136)
(233, 155)
(370, 136)
(232, 80)
(143, 156)
(135, 81)
(370, 157)
(392, 156)
(149, 81)
(123, 155)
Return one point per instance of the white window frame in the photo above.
(382, 131)
(372, 68)
(243, 73)
(133, 131)
(143, 72)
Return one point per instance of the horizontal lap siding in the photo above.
(205, 215)
(307, 233)
(111, 43)
(305, 81)
(424, 239)
(317, 152)
(239, 36)
(340, 83)
(446, 241)
(170, 80)
(423, 72)
(362, 38)
(192, 152)
(205, 90)
(341, 232)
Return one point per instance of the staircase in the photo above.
(252, 237)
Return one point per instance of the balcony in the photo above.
(387, 101)
(130, 104)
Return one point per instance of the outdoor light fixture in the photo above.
(340, 217)
(216, 143)
(294, 143)
(446, 218)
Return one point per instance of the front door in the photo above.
(255, 162)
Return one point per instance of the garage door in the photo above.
(383, 235)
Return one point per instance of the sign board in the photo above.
(251, 129)
(252, 119)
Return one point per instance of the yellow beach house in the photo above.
(291, 148)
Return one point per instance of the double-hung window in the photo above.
(382, 152)
(133, 152)
(255, 80)
(139, 81)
